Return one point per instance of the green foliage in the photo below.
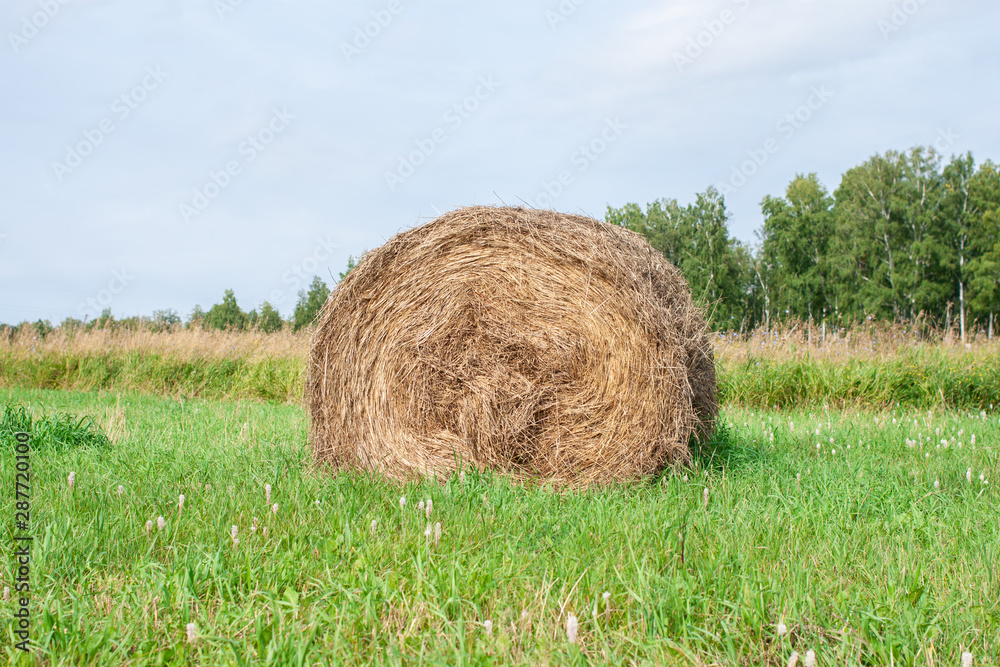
(43, 328)
(196, 318)
(105, 321)
(71, 324)
(983, 268)
(901, 239)
(56, 432)
(857, 552)
(269, 320)
(352, 264)
(310, 303)
(695, 238)
(796, 237)
(164, 320)
(226, 315)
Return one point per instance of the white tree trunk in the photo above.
(961, 308)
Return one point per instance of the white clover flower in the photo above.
(121, 489)
(937, 484)
(488, 626)
(606, 596)
(793, 659)
(572, 626)
(966, 659)
(402, 502)
(317, 502)
(782, 628)
(810, 660)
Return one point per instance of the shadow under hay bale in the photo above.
(545, 346)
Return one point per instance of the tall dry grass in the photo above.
(797, 341)
(872, 341)
(181, 343)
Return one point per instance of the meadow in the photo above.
(874, 367)
(840, 524)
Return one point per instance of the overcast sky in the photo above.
(156, 153)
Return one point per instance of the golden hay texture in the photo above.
(545, 346)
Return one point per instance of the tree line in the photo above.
(903, 238)
(223, 316)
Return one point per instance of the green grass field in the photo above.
(883, 552)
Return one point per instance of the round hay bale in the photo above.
(545, 346)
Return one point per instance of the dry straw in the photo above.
(546, 346)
